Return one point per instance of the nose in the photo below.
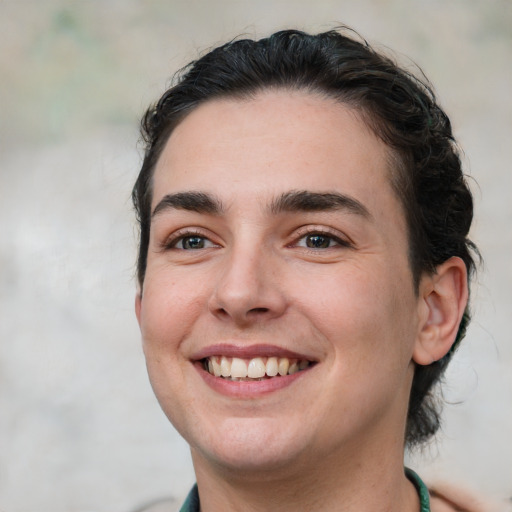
(248, 288)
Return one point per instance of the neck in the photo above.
(346, 483)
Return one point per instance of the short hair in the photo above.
(400, 108)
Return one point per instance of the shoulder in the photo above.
(451, 498)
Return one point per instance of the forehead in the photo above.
(272, 143)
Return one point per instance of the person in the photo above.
(303, 271)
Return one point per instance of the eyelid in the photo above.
(172, 240)
(342, 239)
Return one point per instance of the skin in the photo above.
(336, 430)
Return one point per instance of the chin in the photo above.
(249, 445)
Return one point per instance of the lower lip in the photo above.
(248, 389)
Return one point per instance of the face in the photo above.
(278, 311)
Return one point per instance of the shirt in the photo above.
(192, 502)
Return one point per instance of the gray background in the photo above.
(79, 427)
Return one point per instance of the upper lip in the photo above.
(248, 352)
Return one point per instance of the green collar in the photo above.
(192, 502)
(421, 488)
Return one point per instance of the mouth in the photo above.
(254, 369)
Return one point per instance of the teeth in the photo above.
(256, 368)
(217, 371)
(284, 364)
(272, 367)
(294, 368)
(225, 367)
(239, 368)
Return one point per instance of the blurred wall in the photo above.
(79, 427)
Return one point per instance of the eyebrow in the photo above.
(199, 202)
(293, 201)
(304, 200)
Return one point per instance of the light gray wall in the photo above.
(79, 427)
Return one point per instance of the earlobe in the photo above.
(443, 299)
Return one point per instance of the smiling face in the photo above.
(278, 314)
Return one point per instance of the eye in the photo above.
(321, 241)
(191, 243)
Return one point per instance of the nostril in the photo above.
(259, 310)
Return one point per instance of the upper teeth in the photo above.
(255, 368)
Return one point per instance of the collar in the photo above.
(421, 488)
(192, 502)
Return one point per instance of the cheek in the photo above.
(169, 311)
(169, 308)
(365, 313)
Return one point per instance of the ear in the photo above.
(443, 299)
(138, 304)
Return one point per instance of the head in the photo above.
(398, 108)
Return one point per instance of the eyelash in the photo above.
(322, 233)
(179, 236)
